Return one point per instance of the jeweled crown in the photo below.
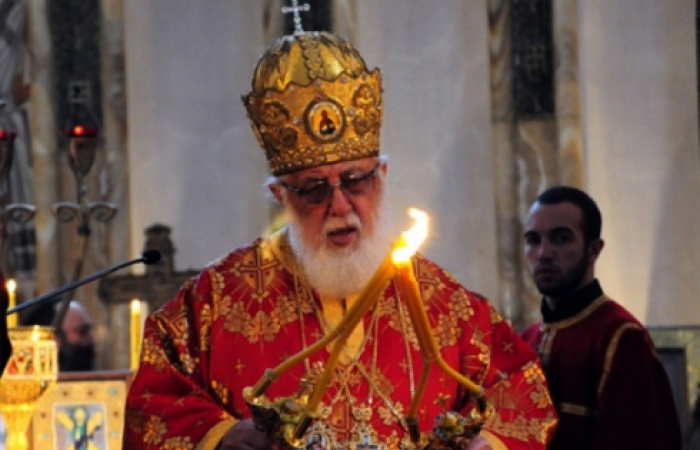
(314, 102)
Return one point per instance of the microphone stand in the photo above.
(148, 257)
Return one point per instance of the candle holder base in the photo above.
(452, 430)
(284, 419)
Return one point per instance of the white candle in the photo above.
(11, 286)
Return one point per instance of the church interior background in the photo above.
(486, 103)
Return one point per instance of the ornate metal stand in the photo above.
(82, 145)
(9, 212)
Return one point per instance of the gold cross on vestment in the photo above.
(257, 271)
(296, 9)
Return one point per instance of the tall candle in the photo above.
(408, 286)
(135, 335)
(11, 286)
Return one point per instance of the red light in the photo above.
(82, 131)
(6, 135)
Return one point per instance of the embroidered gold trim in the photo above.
(587, 311)
(577, 410)
(610, 353)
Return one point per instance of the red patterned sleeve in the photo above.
(171, 403)
(524, 415)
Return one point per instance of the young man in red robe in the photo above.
(607, 382)
(261, 304)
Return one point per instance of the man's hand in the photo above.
(244, 436)
(478, 443)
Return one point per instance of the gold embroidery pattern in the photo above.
(178, 326)
(446, 330)
(484, 355)
(262, 325)
(235, 315)
(534, 375)
(258, 271)
(205, 328)
(151, 354)
(221, 391)
(507, 408)
(155, 430)
(387, 416)
(428, 283)
(217, 283)
(170, 343)
(461, 305)
(522, 429)
(496, 317)
(178, 443)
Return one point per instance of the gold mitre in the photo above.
(314, 102)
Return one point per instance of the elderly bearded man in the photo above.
(261, 304)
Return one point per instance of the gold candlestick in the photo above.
(30, 372)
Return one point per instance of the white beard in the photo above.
(339, 273)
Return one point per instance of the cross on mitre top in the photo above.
(296, 9)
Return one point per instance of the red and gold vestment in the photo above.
(251, 310)
(609, 387)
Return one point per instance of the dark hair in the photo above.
(592, 219)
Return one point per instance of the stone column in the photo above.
(571, 167)
(112, 321)
(44, 152)
(535, 128)
(505, 176)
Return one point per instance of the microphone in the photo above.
(148, 257)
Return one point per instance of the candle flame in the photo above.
(11, 285)
(135, 306)
(412, 238)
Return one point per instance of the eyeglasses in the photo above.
(317, 192)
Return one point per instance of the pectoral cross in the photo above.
(296, 9)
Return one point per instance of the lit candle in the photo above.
(408, 287)
(135, 338)
(11, 286)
